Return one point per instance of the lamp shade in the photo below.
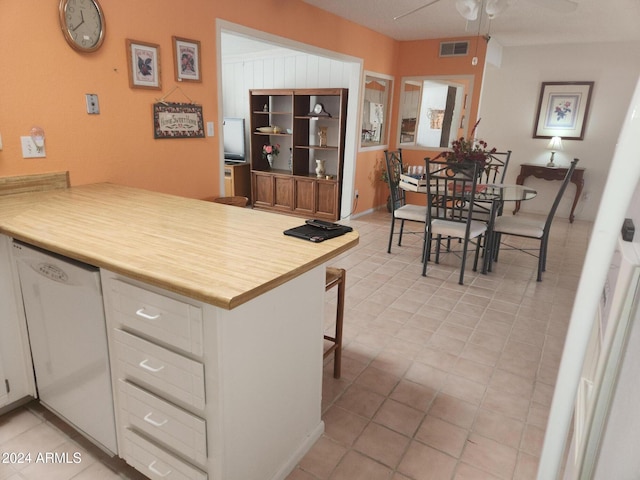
(468, 8)
(555, 144)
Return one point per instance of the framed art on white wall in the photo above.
(563, 109)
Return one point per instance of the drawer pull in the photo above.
(156, 471)
(147, 418)
(144, 365)
(146, 316)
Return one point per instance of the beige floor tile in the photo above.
(14, 423)
(360, 401)
(343, 426)
(467, 472)
(356, 466)
(399, 417)
(513, 406)
(413, 394)
(526, 467)
(532, 440)
(442, 436)
(383, 444)
(323, 457)
(453, 410)
(490, 456)
(377, 380)
(464, 389)
(500, 428)
(422, 462)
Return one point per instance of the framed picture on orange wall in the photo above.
(143, 60)
(186, 55)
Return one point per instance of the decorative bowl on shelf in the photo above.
(289, 131)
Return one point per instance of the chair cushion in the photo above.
(526, 227)
(409, 211)
(457, 229)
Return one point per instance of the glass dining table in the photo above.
(493, 195)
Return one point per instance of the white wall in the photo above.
(510, 99)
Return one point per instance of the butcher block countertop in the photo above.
(219, 254)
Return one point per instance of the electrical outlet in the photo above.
(357, 193)
(30, 150)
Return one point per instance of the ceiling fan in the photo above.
(469, 9)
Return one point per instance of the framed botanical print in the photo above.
(143, 61)
(563, 109)
(186, 55)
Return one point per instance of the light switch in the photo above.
(92, 104)
(210, 129)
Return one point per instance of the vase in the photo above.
(270, 159)
(322, 136)
(320, 170)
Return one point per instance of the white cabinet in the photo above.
(204, 392)
(16, 370)
(156, 347)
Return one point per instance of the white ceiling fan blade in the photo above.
(468, 8)
(416, 9)
(496, 7)
(560, 6)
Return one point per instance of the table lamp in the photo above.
(555, 145)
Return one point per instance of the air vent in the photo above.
(454, 49)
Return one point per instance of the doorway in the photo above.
(249, 58)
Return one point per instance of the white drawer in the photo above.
(154, 462)
(177, 429)
(169, 320)
(161, 370)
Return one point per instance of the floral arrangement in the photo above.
(464, 149)
(270, 150)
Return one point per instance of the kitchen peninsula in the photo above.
(248, 303)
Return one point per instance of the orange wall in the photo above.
(44, 82)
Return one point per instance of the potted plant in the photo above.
(468, 149)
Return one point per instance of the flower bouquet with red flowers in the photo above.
(468, 149)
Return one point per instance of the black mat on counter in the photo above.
(316, 234)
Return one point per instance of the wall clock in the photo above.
(82, 23)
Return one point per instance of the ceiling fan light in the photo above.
(496, 7)
(468, 8)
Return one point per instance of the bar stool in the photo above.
(336, 276)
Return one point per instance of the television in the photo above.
(233, 138)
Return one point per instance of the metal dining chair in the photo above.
(400, 209)
(493, 172)
(530, 227)
(495, 169)
(451, 190)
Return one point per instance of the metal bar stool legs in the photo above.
(336, 276)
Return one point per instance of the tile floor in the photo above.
(439, 381)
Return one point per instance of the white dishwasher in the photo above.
(67, 332)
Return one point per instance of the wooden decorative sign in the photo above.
(177, 120)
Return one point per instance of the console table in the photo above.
(552, 173)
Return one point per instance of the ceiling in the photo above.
(523, 23)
